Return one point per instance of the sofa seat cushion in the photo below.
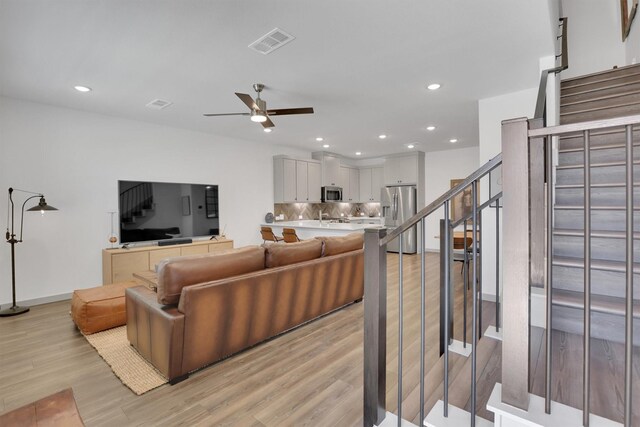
(100, 308)
(341, 244)
(279, 254)
(176, 273)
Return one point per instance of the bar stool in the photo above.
(268, 236)
(289, 235)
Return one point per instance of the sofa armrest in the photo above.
(156, 331)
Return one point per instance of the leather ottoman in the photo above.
(100, 308)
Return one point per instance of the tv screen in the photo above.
(151, 211)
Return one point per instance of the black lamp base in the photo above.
(13, 311)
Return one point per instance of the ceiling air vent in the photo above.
(271, 41)
(159, 104)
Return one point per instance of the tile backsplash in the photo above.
(292, 211)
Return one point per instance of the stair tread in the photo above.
(595, 165)
(595, 208)
(599, 303)
(596, 264)
(599, 98)
(599, 185)
(594, 233)
(599, 108)
(607, 75)
(597, 147)
(598, 89)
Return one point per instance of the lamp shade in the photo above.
(42, 206)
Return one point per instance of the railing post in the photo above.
(516, 250)
(445, 282)
(375, 326)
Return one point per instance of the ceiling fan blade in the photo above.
(287, 111)
(268, 123)
(248, 100)
(226, 114)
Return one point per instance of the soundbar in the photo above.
(174, 242)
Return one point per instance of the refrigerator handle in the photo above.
(395, 206)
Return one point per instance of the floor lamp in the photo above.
(11, 239)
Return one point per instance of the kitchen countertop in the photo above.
(315, 224)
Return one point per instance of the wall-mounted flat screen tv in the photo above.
(153, 211)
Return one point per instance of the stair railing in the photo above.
(520, 138)
(375, 297)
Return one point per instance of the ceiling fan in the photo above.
(259, 112)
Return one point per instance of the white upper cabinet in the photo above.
(401, 170)
(296, 181)
(331, 175)
(371, 181)
(350, 183)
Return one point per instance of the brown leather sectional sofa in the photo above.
(209, 307)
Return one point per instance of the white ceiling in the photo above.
(362, 64)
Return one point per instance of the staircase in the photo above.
(603, 95)
(135, 202)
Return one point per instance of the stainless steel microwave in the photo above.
(331, 194)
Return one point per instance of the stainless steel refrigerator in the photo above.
(398, 205)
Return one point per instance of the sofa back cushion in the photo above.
(176, 273)
(279, 254)
(342, 244)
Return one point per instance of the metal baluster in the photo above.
(498, 265)
(474, 325)
(400, 312)
(586, 364)
(447, 279)
(628, 330)
(422, 318)
(479, 247)
(549, 271)
(465, 270)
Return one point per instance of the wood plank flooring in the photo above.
(309, 376)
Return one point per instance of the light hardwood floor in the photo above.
(309, 376)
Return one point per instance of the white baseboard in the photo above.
(41, 300)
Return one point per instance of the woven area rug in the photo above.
(132, 369)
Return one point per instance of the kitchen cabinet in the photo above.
(350, 182)
(296, 181)
(330, 164)
(371, 181)
(401, 170)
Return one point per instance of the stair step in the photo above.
(602, 248)
(599, 303)
(600, 113)
(600, 219)
(613, 172)
(601, 185)
(611, 283)
(613, 154)
(600, 77)
(599, 102)
(594, 208)
(613, 234)
(596, 165)
(588, 92)
(614, 195)
(600, 139)
(596, 264)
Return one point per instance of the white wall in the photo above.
(632, 44)
(440, 168)
(491, 113)
(76, 159)
(595, 41)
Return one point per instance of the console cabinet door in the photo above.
(314, 182)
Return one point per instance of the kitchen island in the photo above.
(307, 229)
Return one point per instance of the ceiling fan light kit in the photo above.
(258, 109)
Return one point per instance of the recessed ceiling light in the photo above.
(82, 88)
(358, 153)
(383, 136)
(267, 130)
(430, 128)
(453, 140)
(433, 86)
(410, 146)
(319, 139)
(325, 146)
